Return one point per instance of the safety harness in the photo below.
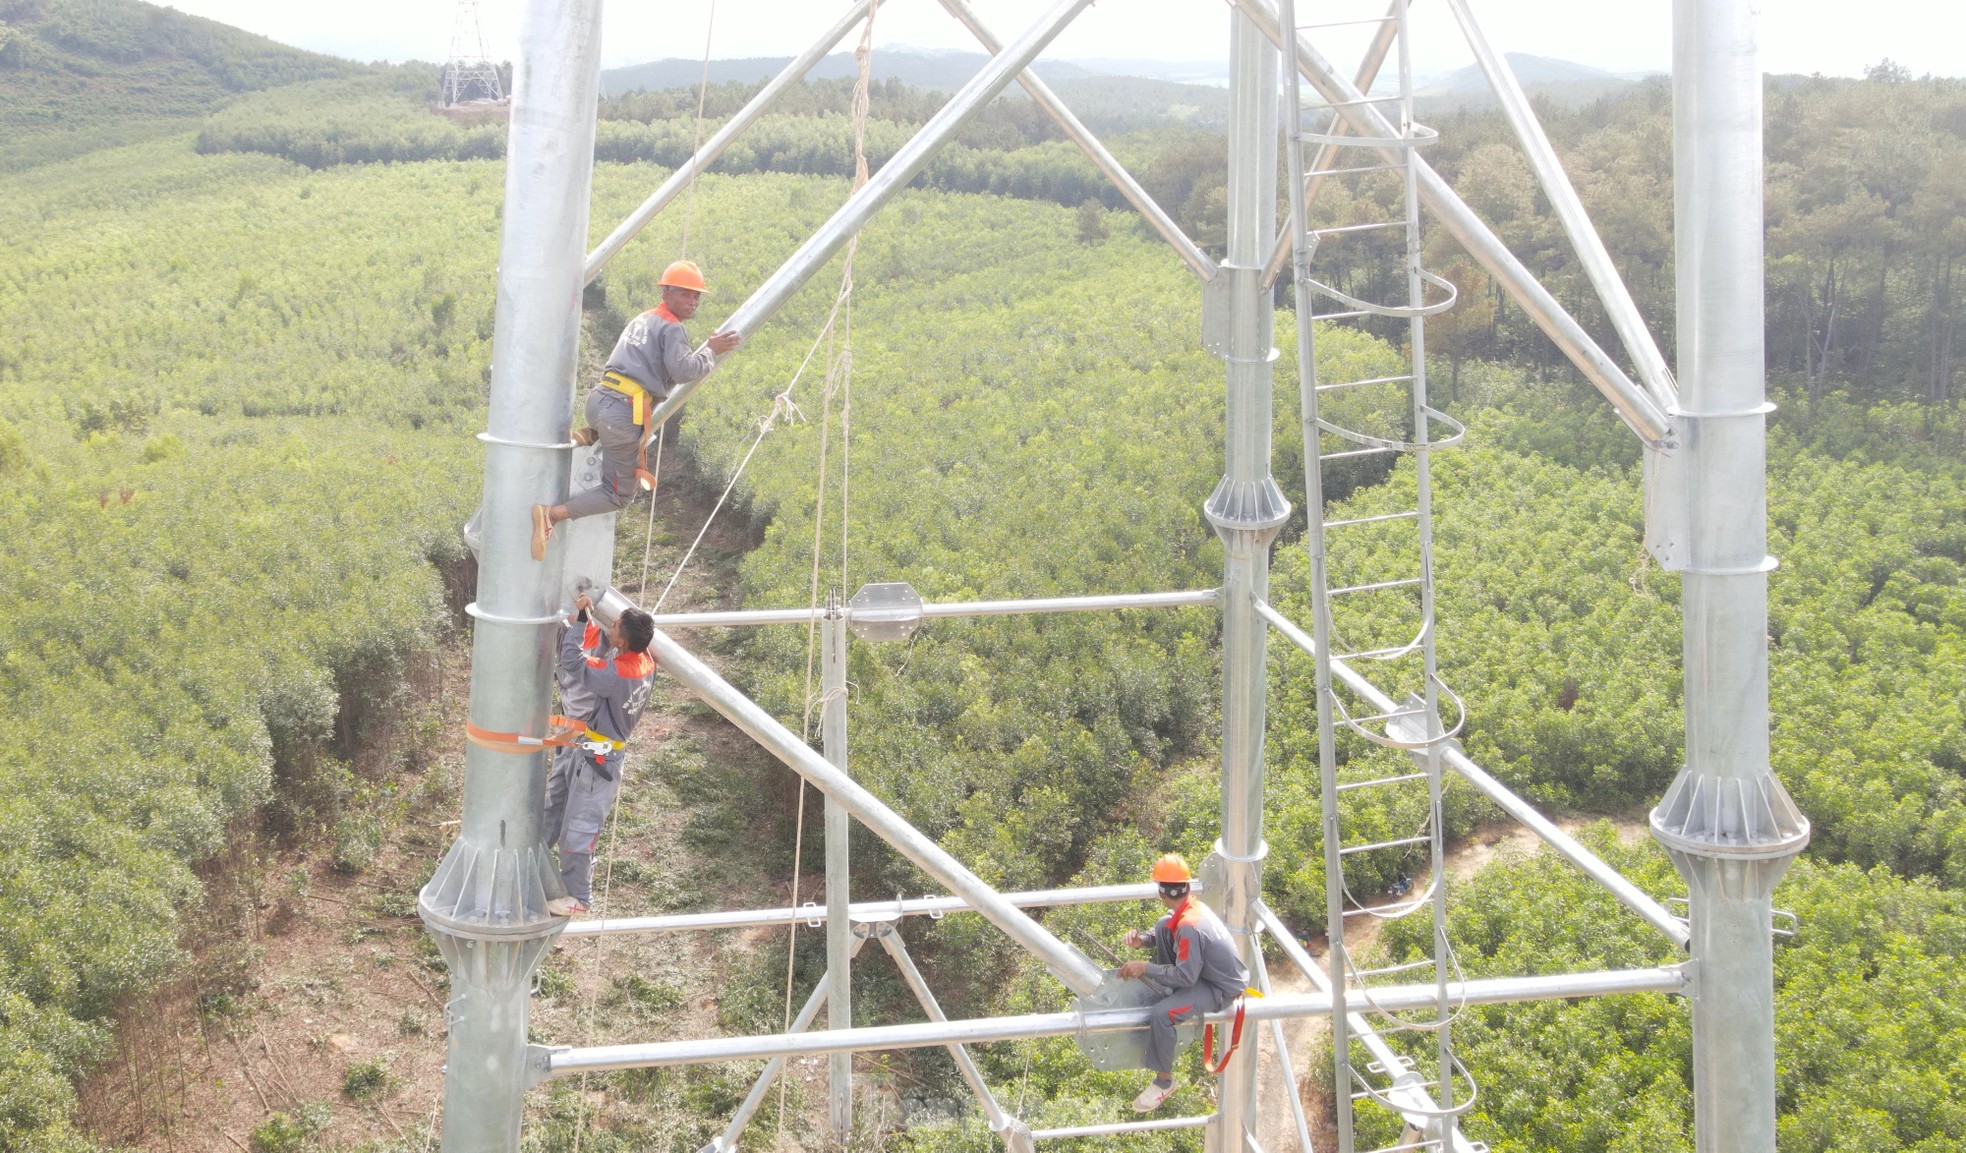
(1217, 1064)
(638, 397)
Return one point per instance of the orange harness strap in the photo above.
(564, 731)
(1217, 1064)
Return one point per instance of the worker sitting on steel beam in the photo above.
(605, 681)
(1196, 966)
(652, 357)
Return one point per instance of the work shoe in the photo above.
(586, 436)
(542, 527)
(566, 906)
(1151, 1097)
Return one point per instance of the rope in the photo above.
(863, 55)
(696, 141)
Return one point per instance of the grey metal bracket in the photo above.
(885, 611)
(539, 1063)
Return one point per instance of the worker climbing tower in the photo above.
(1387, 716)
(470, 76)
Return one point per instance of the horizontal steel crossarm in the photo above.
(562, 1062)
(1110, 603)
(1104, 161)
(1160, 1125)
(1067, 963)
(1633, 403)
(1565, 845)
(707, 155)
(1611, 290)
(859, 911)
(893, 176)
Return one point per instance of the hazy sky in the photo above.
(1621, 35)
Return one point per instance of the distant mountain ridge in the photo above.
(941, 71)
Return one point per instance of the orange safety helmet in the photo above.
(683, 274)
(1172, 869)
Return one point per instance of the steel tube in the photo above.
(727, 1143)
(1040, 92)
(1633, 403)
(1066, 962)
(722, 139)
(839, 929)
(971, 1075)
(1726, 820)
(903, 167)
(1244, 512)
(562, 1062)
(1591, 253)
(862, 911)
(1116, 1128)
(486, 903)
(1565, 845)
(1109, 603)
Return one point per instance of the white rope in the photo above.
(696, 142)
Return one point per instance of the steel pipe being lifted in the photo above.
(1566, 846)
(554, 1062)
(935, 907)
(713, 148)
(1569, 208)
(1067, 963)
(1634, 404)
(1191, 253)
(903, 167)
(1107, 603)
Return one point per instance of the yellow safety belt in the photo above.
(605, 739)
(628, 387)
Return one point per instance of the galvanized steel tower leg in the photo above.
(1728, 823)
(839, 927)
(486, 904)
(1247, 510)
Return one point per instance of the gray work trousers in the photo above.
(1174, 1010)
(613, 416)
(580, 791)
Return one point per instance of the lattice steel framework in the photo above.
(1726, 821)
(470, 77)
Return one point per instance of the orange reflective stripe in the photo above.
(1217, 1064)
(562, 731)
(634, 666)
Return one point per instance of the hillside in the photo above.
(76, 74)
(232, 547)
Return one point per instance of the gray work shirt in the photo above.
(654, 352)
(1193, 947)
(606, 689)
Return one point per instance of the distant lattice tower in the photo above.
(469, 76)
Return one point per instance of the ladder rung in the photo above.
(1401, 1064)
(1383, 781)
(1354, 452)
(1332, 105)
(1401, 379)
(1398, 584)
(1426, 840)
(1373, 655)
(1358, 227)
(1412, 515)
(1352, 170)
(1347, 23)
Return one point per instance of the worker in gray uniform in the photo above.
(652, 357)
(605, 680)
(1196, 968)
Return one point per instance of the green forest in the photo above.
(244, 348)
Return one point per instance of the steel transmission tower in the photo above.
(1726, 821)
(470, 77)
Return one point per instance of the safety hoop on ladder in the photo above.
(1214, 1064)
